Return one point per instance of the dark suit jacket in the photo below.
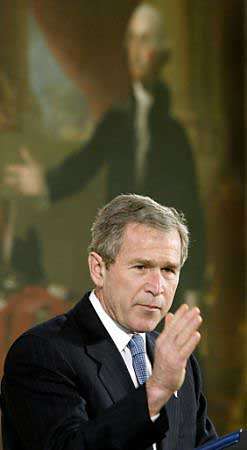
(66, 387)
(170, 176)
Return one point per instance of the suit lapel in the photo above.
(112, 370)
(99, 346)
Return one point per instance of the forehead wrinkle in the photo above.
(136, 236)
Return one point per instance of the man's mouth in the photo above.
(151, 307)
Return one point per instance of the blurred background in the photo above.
(63, 67)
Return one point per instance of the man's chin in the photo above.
(145, 326)
(136, 75)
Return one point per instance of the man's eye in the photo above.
(139, 267)
(168, 270)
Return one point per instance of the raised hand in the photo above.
(26, 178)
(172, 350)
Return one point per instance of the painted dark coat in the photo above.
(170, 176)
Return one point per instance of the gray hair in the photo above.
(111, 221)
(156, 21)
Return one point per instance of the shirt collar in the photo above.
(119, 335)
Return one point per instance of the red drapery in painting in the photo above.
(87, 38)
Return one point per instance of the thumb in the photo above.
(26, 156)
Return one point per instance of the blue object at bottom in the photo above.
(222, 442)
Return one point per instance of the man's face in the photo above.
(137, 290)
(144, 59)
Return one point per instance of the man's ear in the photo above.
(96, 268)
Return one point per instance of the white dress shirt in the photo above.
(144, 101)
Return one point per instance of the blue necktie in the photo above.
(136, 346)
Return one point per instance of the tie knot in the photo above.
(136, 345)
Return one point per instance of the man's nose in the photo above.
(155, 283)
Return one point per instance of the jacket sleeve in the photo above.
(75, 171)
(49, 411)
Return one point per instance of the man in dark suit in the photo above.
(145, 149)
(99, 377)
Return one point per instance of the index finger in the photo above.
(182, 317)
(168, 320)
